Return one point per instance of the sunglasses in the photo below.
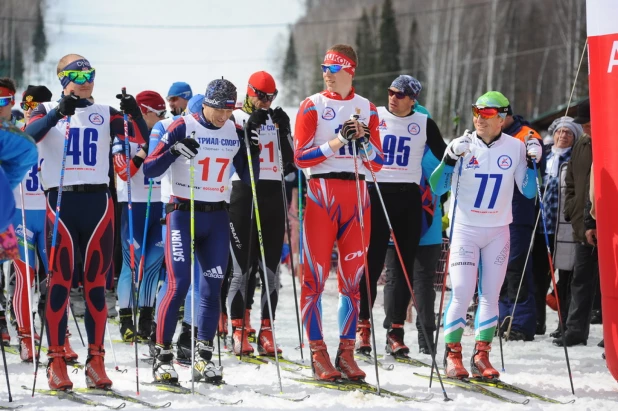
(159, 113)
(487, 112)
(78, 76)
(399, 94)
(27, 105)
(5, 101)
(333, 68)
(264, 96)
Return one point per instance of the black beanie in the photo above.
(39, 94)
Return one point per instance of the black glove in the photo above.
(280, 117)
(258, 118)
(365, 135)
(186, 147)
(129, 105)
(348, 130)
(67, 106)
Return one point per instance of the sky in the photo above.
(197, 41)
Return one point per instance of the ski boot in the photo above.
(57, 376)
(183, 344)
(163, 366)
(320, 362)
(363, 337)
(127, 328)
(144, 323)
(69, 355)
(250, 331)
(4, 330)
(453, 365)
(394, 341)
(25, 345)
(479, 363)
(204, 368)
(95, 368)
(240, 343)
(346, 363)
(266, 344)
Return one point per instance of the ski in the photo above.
(405, 359)
(284, 360)
(467, 385)
(75, 397)
(369, 360)
(517, 390)
(345, 385)
(179, 389)
(265, 394)
(115, 394)
(250, 359)
(8, 407)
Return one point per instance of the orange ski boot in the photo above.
(266, 344)
(238, 340)
(96, 377)
(320, 362)
(346, 363)
(363, 337)
(57, 376)
(69, 354)
(248, 329)
(453, 365)
(479, 364)
(394, 341)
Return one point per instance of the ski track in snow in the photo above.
(537, 366)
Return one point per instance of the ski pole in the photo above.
(27, 260)
(127, 146)
(261, 243)
(365, 263)
(432, 349)
(145, 238)
(52, 251)
(192, 228)
(448, 257)
(553, 278)
(6, 371)
(111, 345)
(289, 233)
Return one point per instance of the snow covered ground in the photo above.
(537, 366)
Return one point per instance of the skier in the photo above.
(261, 92)
(215, 144)
(492, 163)
(18, 154)
(153, 109)
(86, 221)
(7, 101)
(34, 210)
(178, 97)
(327, 125)
(183, 344)
(408, 139)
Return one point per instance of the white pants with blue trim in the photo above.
(471, 248)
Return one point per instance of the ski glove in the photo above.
(534, 151)
(67, 106)
(253, 127)
(348, 131)
(186, 147)
(129, 105)
(282, 120)
(458, 147)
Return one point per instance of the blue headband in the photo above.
(78, 65)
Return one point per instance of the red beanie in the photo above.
(261, 81)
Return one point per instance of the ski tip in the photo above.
(525, 402)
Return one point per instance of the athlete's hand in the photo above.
(534, 150)
(280, 117)
(129, 105)
(67, 106)
(186, 147)
(349, 131)
(458, 147)
(258, 118)
(591, 237)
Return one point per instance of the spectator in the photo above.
(586, 270)
(564, 132)
(521, 229)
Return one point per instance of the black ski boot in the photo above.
(127, 328)
(183, 344)
(144, 324)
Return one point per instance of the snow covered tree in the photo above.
(290, 74)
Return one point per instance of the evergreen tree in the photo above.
(366, 52)
(39, 40)
(389, 53)
(18, 64)
(290, 73)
